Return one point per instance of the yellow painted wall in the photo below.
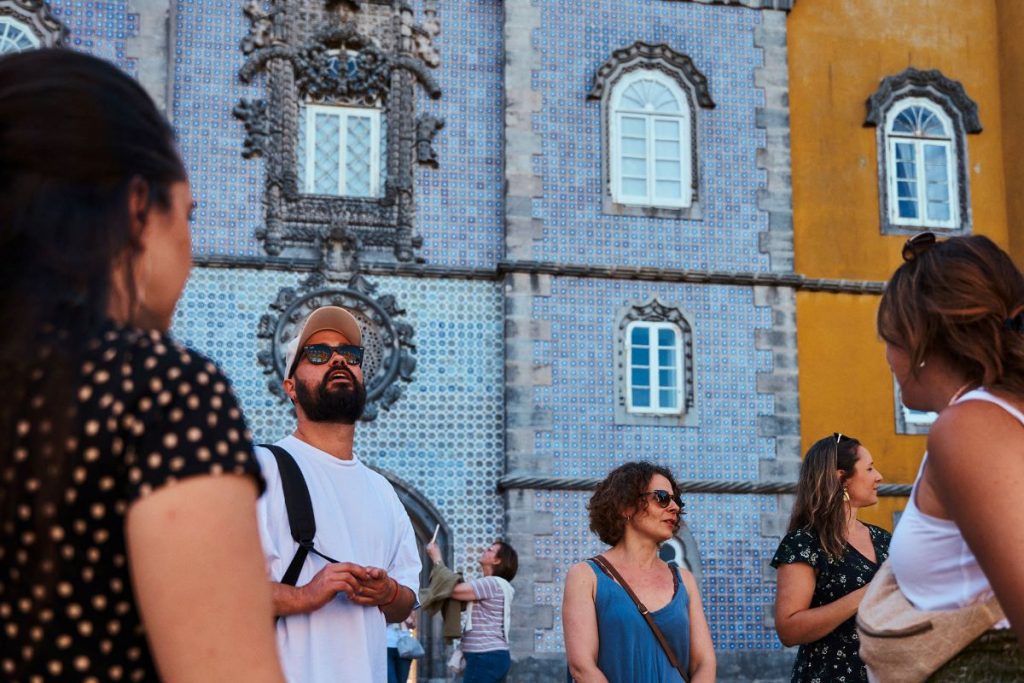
(1011, 75)
(839, 51)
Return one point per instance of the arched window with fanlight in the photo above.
(922, 120)
(921, 166)
(16, 37)
(650, 157)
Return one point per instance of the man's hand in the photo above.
(340, 577)
(434, 552)
(376, 588)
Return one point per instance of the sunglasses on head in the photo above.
(663, 498)
(917, 245)
(318, 354)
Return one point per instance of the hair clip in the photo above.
(1015, 324)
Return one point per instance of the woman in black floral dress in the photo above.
(827, 559)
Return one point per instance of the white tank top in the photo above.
(929, 557)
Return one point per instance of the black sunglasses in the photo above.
(918, 244)
(318, 354)
(663, 498)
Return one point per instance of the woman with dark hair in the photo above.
(827, 559)
(952, 318)
(634, 509)
(489, 611)
(128, 548)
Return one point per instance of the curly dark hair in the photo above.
(622, 488)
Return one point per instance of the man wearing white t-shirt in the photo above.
(332, 624)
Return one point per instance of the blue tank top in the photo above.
(628, 652)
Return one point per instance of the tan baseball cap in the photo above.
(333, 318)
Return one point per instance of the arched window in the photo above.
(654, 356)
(16, 37)
(921, 166)
(650, 141)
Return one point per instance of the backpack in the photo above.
(300, 512)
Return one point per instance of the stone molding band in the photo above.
(510, 481)
(643, 273)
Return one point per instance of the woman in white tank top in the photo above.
(952, 318)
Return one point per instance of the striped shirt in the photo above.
(488, 617)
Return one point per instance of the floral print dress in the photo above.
(835, 657)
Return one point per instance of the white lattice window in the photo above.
(921, 168)
(16, 37)
(654, 358)
(650, 141)
(340, 151)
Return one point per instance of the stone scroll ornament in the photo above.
(388, 361)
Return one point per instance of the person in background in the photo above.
(485, 634)
(952, 318)
(128, 548)
(398, 666)
(827, 559)
(633, 510)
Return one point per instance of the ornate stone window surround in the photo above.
(960, 112)
(663, 63)
(33, 21)
(654, 311)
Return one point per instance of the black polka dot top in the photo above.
(146, 412)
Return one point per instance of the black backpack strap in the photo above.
(300, 511)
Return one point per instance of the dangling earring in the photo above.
(921, 364)
(846, 495)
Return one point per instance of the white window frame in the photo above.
(654, 369)
(343, 113)
(6, 23)
(683, 118)
(918, 143)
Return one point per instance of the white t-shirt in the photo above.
(359, 519)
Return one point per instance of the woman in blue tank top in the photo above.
(634, 509)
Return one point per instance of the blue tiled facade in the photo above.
(447, 436)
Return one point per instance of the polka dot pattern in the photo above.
(147, 413)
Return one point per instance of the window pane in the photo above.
(300, 150)
(634, 147)
(634, 168)
(326, 171)
(668, 189)
(634, 127)
(666, 130)
(907, 208)
(667, 150)
(667, 170)
(939, 211)
(357, 156)
(641, 355)
(666, 337)
(906, 190)
(634, 188)
(641, 335)
(667, 378)
(667, 398)
(641, 377)
(641, 398)
(667, 358)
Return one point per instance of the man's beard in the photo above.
(342, 404)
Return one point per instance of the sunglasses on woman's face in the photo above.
(318, 354)
(663, 498)
(917, 245)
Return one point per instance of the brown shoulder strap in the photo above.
(606, 566)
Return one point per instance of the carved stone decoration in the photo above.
(951, 97)
(253, 113)
(36, 16)
(347, 53)
(641, 55)
(427, 127)
(260, 29)
(930, 84)
(388, 361)
(653, 310)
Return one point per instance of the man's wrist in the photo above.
(394, 595)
